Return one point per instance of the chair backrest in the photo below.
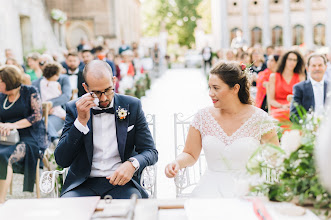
(268, 96)
(149, 174)
(46, 107)
(73, 93)
(187, 178)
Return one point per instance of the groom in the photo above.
(106, 144)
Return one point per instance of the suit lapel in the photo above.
(310, 93)
(88, 140)
(121, 125)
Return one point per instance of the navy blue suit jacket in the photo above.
(303, 94)
(75, 150)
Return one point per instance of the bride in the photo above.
(228, 132)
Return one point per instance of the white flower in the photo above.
(290, 141)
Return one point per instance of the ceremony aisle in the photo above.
(177, 90)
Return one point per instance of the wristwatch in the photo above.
(134, 162)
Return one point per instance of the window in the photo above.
(298, 34)
(319, 34)
(256, 36)
(277, 36)
(233, 33)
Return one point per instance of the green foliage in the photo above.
(298, 178)
(178, 17)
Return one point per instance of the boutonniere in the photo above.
(122, 113)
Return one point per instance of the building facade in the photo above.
(272, 22)
(111, 20)
(25, 26)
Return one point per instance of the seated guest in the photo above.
(87, 56)
(34, 70)
(26, 78)
(55, 123)
(290, 71)
(20, 108)
(312, 92)
(50, 88)
(263, 77)
(100, 54)
(106, 143)
(75, 74)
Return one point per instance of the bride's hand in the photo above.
(172, 169)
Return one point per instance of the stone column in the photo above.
(266, 25)
(245, 27)
(224, 25)
(287, 31)
(328, 24)
(308, 26)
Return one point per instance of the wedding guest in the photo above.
(26, 80)
(290, 71)
(34, 69)
(106, 144)
(229, 132)
(75, 74)
(261, 82)
(311, 94)
(20, 108)
(87, 56)
(50, 89)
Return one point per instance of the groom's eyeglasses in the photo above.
(98, 94)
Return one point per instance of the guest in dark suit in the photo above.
(75, 73)
(106, 145)
(312, 92)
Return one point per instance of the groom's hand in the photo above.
(122, 175)
(172, 169)
(83, 105)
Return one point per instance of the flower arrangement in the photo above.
(247, 70)
(288, 171)
(122, 113)
(59, 16)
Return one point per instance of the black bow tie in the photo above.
(99, 111)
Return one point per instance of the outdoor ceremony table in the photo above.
(87, 208)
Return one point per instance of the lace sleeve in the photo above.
(196, 122)
(36, 108)
(267, 124)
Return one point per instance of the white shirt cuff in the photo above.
(80, 127)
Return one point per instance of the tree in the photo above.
(179, 16)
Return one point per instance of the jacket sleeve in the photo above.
(71, 140)
(296, 101)
(66, 92)
(147, 153)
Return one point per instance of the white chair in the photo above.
(50, 180)
(187, 178)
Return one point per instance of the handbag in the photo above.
(11, 139)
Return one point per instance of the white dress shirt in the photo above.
(106, 158)
(73, 78)
(318, 88)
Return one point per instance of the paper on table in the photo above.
(80, 208)
(197, 209)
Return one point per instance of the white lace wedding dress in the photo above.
(227, 156)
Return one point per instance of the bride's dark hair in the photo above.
(231, 74)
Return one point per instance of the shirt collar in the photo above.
(315, 83)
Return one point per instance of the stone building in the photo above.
(25, 26)
(272, 22)
(112, 20)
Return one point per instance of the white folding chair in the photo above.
(187, 178)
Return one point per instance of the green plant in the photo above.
(292, 165)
